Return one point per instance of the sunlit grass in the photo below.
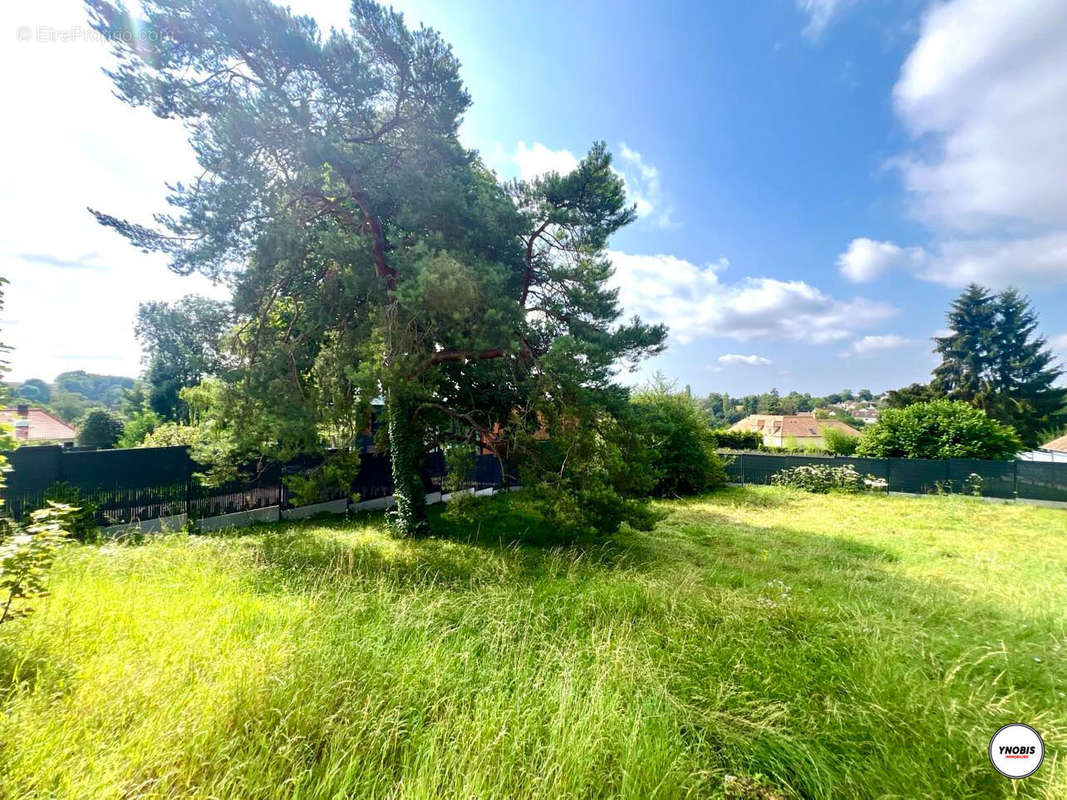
(838, 646)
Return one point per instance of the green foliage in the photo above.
(938, 429)
(182, 346)
(26, 557)
(738, 440)
(100, 390)
(171, 434)
(680, 443)
(459, 464)
(100, 429)
(910, 395)
(138, 426)
(994, 359)
(589, 470)
(34, 391)
(68, 406)
(837, 442)
(80, 520)
(820, 479)
(379, 257)
(330, 480)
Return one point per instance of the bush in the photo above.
(80, 518)
(738, 440)
(680, 443)
(100, 429)
(330, 480)
(821, 479)
(938, 429)
(170, 434)
(838, 442)
(541, 517)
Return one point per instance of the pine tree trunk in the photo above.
(406, 451)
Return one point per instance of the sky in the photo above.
(815, 179)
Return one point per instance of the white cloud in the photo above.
(1059, 346)
(537, 159)
(869, 345)
(1038, 261)
(984, 93)
(751, 361)
(986, 85)
(821, 14)
(643, 187)
(696, 303)
(866, 259)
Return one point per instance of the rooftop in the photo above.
(36, 425)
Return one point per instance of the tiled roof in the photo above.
(1059, 445)
(42, 427)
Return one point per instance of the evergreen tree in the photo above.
(965, 371)
(1023, 392)
(370, 253)
(995, 360)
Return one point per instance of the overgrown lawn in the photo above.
(837, 646)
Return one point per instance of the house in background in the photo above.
(36, 426)
(789, 430)
(1054, 451)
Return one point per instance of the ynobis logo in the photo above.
(1016, 751)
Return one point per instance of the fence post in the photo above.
(888, 475)
(1015, 479)
(742, 457)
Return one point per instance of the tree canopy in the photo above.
(938, 429)
(182, 345)
(994, 358)
(369, 253)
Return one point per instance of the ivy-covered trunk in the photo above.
(406, 451)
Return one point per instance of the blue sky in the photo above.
(815, 180)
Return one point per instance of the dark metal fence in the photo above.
(148, 483)
(1007, 479)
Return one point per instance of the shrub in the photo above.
(80, 519)
(738, 440)
(100, 429)
(26, 556)
(680, 443)
(821, 479)
(838, 442)
(170, 434)
(938, 429)
(330, 480)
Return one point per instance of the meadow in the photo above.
(759, 643)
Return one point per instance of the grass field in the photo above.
(823, 646)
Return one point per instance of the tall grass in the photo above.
(836, 646)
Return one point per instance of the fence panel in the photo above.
(1038, 480)
(994, 478)
(1042, 480)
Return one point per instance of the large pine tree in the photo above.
(965, 371)
(1024, 394)
(370, 253)
(994, 359)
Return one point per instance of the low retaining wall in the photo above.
(157, 525)
(275, 513)
(304, 512)
(266, 514)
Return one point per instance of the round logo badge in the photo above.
(1016, 751)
